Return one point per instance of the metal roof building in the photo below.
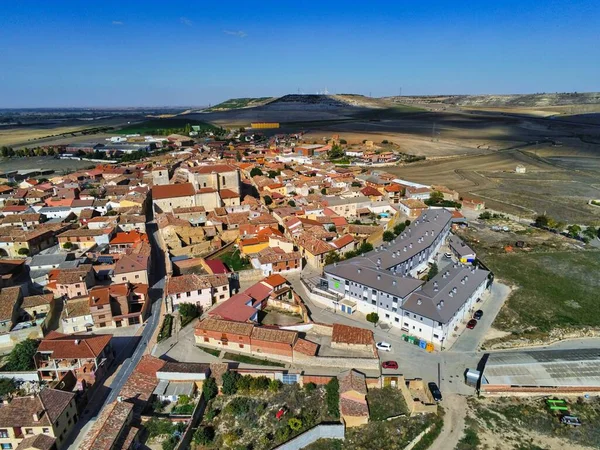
(546, 371)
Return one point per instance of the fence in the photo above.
(322, 431)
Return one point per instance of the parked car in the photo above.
(448, 255)
(435, 391)
(478, 314)
(385, 346)
(471, 324)
(389, 365)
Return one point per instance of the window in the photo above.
(241, 345)
(100, 307)
(373, 302)
(222, 296)
(436, 336)
(414, 316)
(397, 320)
(28, 431)
(421, 319)
(77, 285)
(7, 446)
(420, 330)
(137, 276)
(188, 294)
(199, 292)
(45, 430)
(102, 316)
(387, 316)
(206, 339)
(3, 433)
(78, 293)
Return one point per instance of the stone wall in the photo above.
(250, 275)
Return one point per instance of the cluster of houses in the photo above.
(74, 251)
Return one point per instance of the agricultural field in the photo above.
(236, 103)
(555, 292)
(60, 166)
(528, 424)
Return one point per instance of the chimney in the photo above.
(378, 277)
(419, 302)
(462, 281)
(77, 341)
(454, 290)
(359, 270)
(410, 245)
(80, 277)
(439, 306)
(404, 248)
(450, 294)
(394, 282)
(441, 302)
(120, 399)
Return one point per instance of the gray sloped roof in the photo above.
(459, 246)
(441, 288)
(562, 368)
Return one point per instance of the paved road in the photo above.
(157, 282)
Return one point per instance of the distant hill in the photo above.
(239, 103)
(506, 101)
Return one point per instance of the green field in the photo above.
(234, 261)
(556, 289)
(160, 126)
(250, 360)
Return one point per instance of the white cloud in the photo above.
(184, 20)
(240, 33)
(117, 22)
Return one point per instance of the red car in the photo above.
(389, 365)
(471, 324)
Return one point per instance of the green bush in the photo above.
(166, 328)
(210, 389)
(20, 358)
(275, 385)
(230, 380)
(310, 387)
(295, 424)
(158, 427)
(239, 406)
(204, 435)
(332, 397)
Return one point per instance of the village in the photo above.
(143, 300)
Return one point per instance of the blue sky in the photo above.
(130, 53)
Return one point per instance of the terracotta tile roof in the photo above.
(225, 326)
(49, 404)
(217, 370)
(271, 255)
(75, 275)
(313, 245)
(37, 442)
(185, 367)
(345, 334)
(64, 346)
(172, 191)
(8, 297)
(306, 347)
(228, 193)
(275, 280)
(413, 203)
(129, 237)
(369, 191)
(274, 335)
(217, 168)
(187, 283)
(37, 300)
(76, 307)
(108, 426)
(131, 263)
(352, 408)
(343, 241)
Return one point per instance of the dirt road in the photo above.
(455, 407)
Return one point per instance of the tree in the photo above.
(268, 200)
(433, 271)
(332, 397)
(574, 230)
(7, 387)
(364, 248)
(310, 387)
(407, 222)
(399, 228)
(331, 257)
(255, 172)
(542, 221)
(373, 318)
(230, 380)
(204, 435)
(332, 228)
(388, 236)
(436, 197)
(324, 191)
(68, 245)
(336, 152)
(292, 203)
(275, 385)
(295, 424)
(210, 389)
(356, 184)
(486, 215)
(259, 384)
(273, 173)
(23, 251)
(188, 310)
(591, 233)
(21, 356)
